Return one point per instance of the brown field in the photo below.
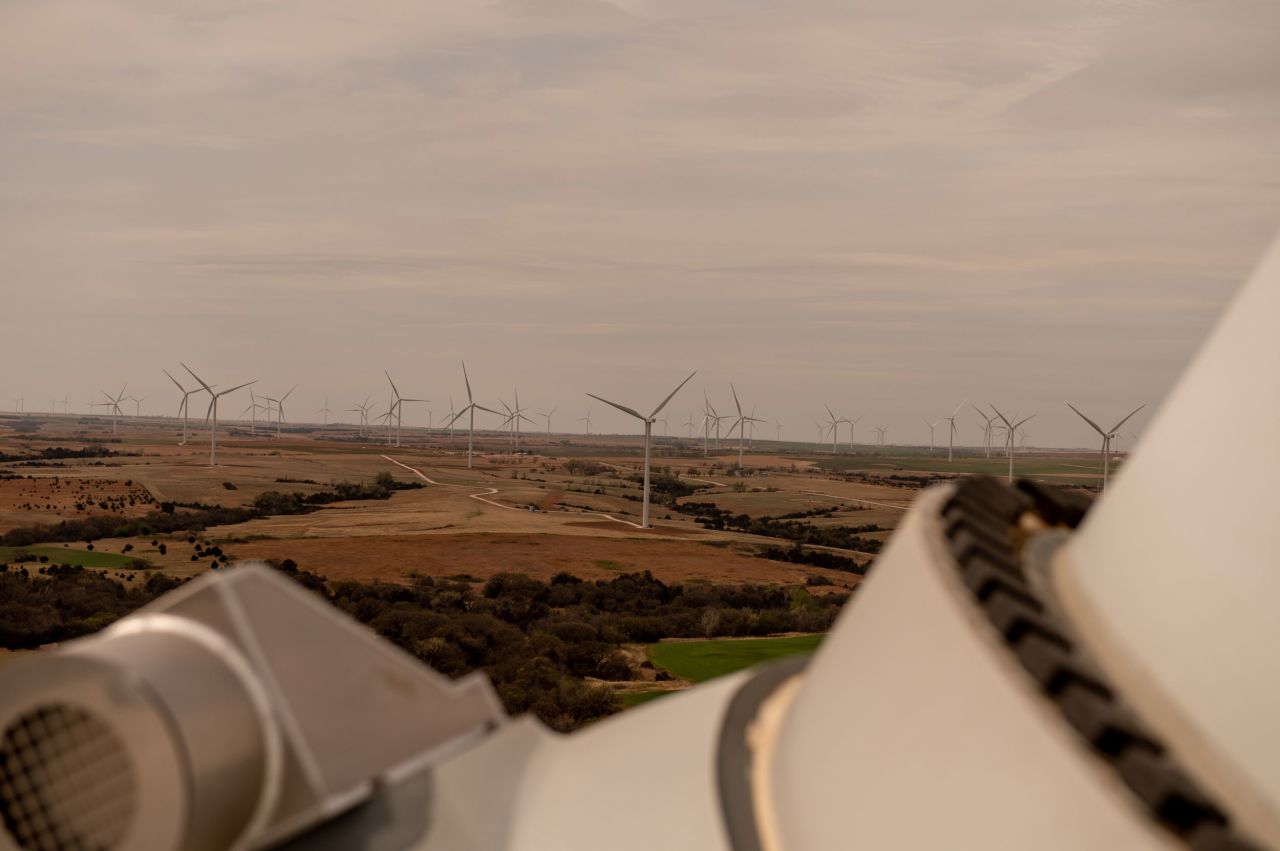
(511, 513)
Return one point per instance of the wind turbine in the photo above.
(778, 425)
(951, 431)
(742, 423)
(931, 427)
(471, 408)
(452, 416)
(514, 416)
(183, 406)
(880, 430)
(587, 420)
(114, 402)
(715, 418)
(137, 405)
(547, 415)
(835, 429)
(279, 403)
(986, 428)
(689, 425)
(648, 429)
(1107, 437)
(252, 411)
(1011, 429)
(325, 410)
(213, 411)
(397, 408)
(65, 404)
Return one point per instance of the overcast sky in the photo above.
(884, 205)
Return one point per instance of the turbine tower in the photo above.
(471, 409)
(325, 410)
(587, 420)
(1011, 429)
(183, 406)
(1107, 437)
(212, 413)
(880, 430)
(648, 429)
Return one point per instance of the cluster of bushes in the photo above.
(58, 453)
(797, 554)
(712, 516)
(276, 502)
(67, 602)
(539, 642)
(584, 467)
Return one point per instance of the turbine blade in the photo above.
(622, 408)
(1086, 419)
(467, 381)
(1126, 419)
(672, 394)
(736, 403)
(392, 383)
(196, 377)
(174, 380)
(238, 387)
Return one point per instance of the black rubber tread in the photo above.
(981, 522)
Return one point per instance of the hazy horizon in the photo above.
(886, 207)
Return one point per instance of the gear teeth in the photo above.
(981, 523)
(1056, 506)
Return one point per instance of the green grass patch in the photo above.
(635, 698)
(61, 555)
(699, 661)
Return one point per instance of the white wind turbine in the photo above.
(689, 425)
(834, 425)
(988, 421)
(931, 427)
(114, 402)
(951, 431)
(325, 410)
(212, 413)
(715, 418)
(587, 420)
(1107, 437)
(279, 403)
(742, 423)
(137, 405)
(397, 408)
(880, 432)
(778, 425)
(252, 411)
(452, 416)
(471, 408)
(1011, 430)
(648, 429)
(183, 406)
(547, 417)
(514, 416)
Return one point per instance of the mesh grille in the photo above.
(66, 782)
